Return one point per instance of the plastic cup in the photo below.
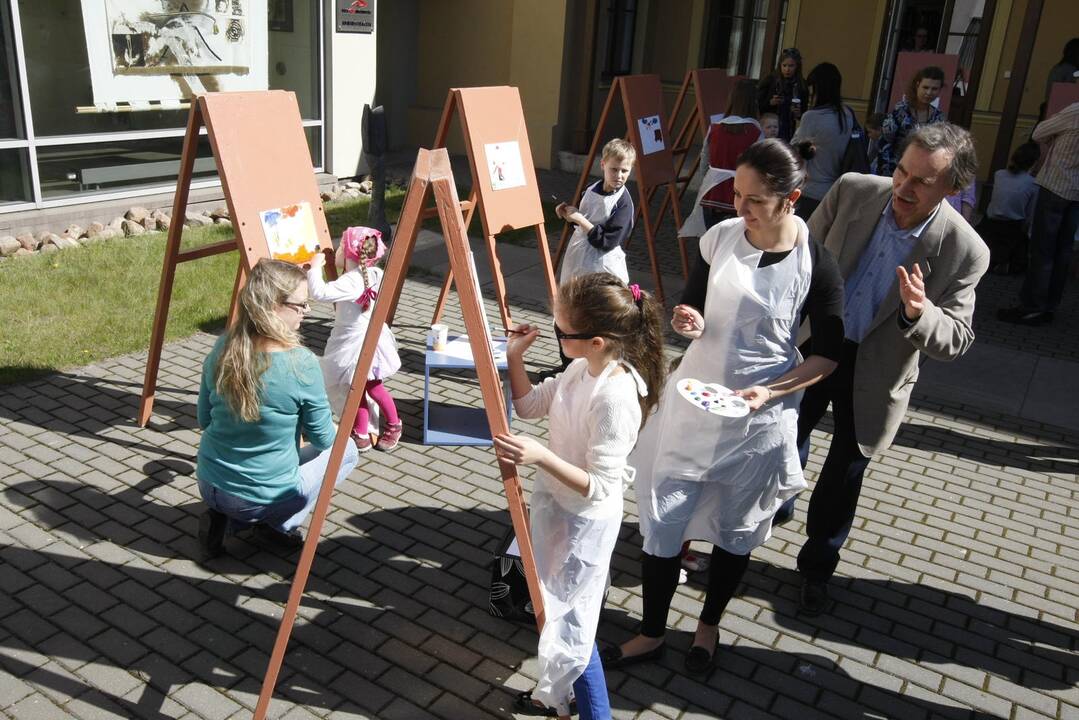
(439, 337)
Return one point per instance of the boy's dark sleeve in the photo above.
(696, 289)
(615, 231)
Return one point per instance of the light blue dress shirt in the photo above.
(866, 288)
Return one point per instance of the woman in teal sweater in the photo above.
(261, 391)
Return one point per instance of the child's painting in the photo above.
(504, 164)
(651, 134)
(290, 233)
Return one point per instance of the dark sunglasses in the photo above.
(572, 336)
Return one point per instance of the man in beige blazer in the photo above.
(910, 264)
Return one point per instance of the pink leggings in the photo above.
(383, 399)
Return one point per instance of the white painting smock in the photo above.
(581, 256)
(701, 476)
(593, 425)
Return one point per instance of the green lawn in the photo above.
(77, 306)
(81, 305)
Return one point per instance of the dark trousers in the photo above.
(659, 580)
(835, 496)
(1056, 220)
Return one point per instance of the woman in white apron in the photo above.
(719, 477)
(604, 220)
(595, 409)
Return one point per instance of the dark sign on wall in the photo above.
(355, 16)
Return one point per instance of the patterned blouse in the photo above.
(894, 130)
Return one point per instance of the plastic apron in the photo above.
(705, 477)
(581, 257)
(694, 224)
(572, 539)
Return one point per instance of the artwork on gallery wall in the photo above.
(164, 51)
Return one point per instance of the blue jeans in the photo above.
(286, 514)
(1056, 221)
(590, 690)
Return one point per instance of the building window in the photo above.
(621, 21)
(75, 150)
(734, 36)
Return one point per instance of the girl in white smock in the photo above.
(354, 293)
(718, 478)
(612, 334)
(604, 220)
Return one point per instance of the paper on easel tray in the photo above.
(460, 348)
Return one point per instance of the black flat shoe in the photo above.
(699, 660)
(523, 705)
(612, 657)
(212, 526)
(814, 597)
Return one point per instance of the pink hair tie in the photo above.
(635, 289)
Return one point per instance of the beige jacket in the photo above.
(953, 259)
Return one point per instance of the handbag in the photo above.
(509, 597)
(856, 155)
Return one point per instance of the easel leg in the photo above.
(241, 280)
(649, 239)
(447, 282)
(499, 281)
(677, 211)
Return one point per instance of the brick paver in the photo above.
(956, 595)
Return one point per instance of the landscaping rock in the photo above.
(8, 245)
(223, 221)
(73, 232)
(163, 222)
(49, 248)
(366, 186)
(352, 185)
(23, 252)
(326, 196)
(137, 214)
(150, 224)
(63, 242)
(28, 241)
(197, 220)
(130, 227)
(219, 213)
(43, 237)
(117, 224)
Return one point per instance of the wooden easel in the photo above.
(711, 88)
(432, 172)
(241, 126)
(492, 116)
(642, 97)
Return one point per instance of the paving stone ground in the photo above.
(956, 596)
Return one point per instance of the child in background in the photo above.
(604, 221)
(874, 127)
(1006, 225)
(770, 125)
(614, 336)
(354, 294)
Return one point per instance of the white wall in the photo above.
(350, 83)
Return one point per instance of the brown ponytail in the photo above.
(602, 305)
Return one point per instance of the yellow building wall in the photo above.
(1059, 23)
(473, 43)
(841, 32)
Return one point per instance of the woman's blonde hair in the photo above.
(238, 376)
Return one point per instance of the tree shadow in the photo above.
(1040, 458)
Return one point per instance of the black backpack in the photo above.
(856, 155)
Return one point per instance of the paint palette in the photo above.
(712, 398)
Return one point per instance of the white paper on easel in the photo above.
(651, 133)
(504, 164)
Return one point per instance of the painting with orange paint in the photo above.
(290, 233)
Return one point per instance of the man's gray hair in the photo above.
(955, 141)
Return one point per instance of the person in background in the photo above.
(873, 131)
(726, 141)
(1008, 219)
(1067, 70)
(783, 92)
(1056, 221)
(770, 125)
(822, 136)
(965, 201)
(912, 111)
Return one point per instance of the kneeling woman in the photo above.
(261, 390)
(720, 479)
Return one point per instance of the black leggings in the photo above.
(659, 579)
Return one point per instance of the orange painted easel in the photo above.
(711, 88)
(432, 173)
(241, 126)
(492, 116)
(642, 97)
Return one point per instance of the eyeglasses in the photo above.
(301, 307)
(572, 336)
